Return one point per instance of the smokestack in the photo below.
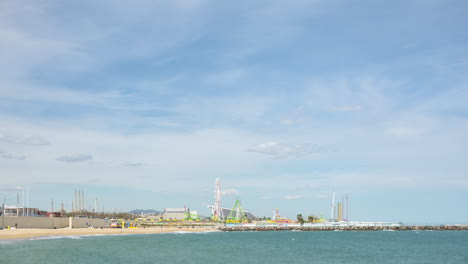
(74, 202)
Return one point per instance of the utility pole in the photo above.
(22, 200)
(52, 200)
(27, 201)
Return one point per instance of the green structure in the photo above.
(237, 214)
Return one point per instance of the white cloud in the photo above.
(230, 192)
(292, 197)
(75, 158)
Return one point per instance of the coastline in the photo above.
(36, 232)
(24, 233)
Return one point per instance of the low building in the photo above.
(54, 214)
(175, 213)
(20, 211)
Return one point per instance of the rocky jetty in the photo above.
(347, 228)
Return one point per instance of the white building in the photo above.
(175, 213)
(20, 211)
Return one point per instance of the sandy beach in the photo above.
(30, 232)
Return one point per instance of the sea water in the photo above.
(244, 247)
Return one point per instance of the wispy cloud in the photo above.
(24, 140)
(282, 150)
(321, 197)
(348, 108)
(75, 158)
(279, 150)
(403, 131)
(134, 164)
(5, 155)
(292, 197)
(226, 77)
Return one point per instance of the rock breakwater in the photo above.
(348, 228)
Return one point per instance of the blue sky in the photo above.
(144, 104)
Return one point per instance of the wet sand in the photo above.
(29, 232)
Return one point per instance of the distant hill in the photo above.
(145, 212)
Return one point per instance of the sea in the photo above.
(243, 247)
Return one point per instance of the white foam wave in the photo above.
(194, 232)
(54, 237)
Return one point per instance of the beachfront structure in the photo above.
(20, 211)
(175, 213)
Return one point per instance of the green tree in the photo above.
(311, 218)
(300, 219)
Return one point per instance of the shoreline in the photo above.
(22, 233)
(25, 233)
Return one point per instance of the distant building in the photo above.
(175, 213)
(54, 214)
(20, 211)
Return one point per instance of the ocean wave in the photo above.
(54, 237)
(192, 232)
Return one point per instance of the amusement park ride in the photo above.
(278, 219)
(236, 215)
(216, 208)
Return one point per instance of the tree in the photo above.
(311, 218)
(300, 219)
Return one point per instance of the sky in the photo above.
(143, 104)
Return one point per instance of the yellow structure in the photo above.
(340, 212)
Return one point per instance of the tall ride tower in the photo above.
(217, 213)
